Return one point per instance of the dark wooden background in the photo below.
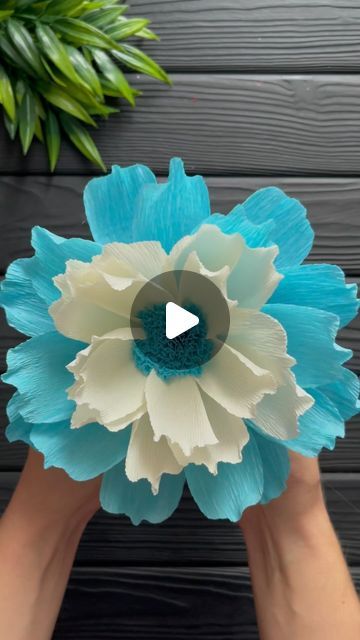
(264, 93)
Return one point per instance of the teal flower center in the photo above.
(183, 355)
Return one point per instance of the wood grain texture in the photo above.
(159, 603)
(190, 539)
(254, 34)
(56, 203)
(235, 123)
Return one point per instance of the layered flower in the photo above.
(97, 396)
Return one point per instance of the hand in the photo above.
(302, 586)
(39, 535)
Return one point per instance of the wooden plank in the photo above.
(160, 603)
(56, 203)
(157, 604)
(346, 456)
(254, 34)
(228, 123)
(188, 538)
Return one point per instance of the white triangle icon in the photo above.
(178, 320)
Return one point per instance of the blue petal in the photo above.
(19, 430)
(232, 490)
(51, 254)
(318, 285)
(311, 334)
(24, 309)
(319, 427)
(37, 368)
(344, 393)
(276, 466)
(171, 210)
(135, 499)
(110, 203)
(83, 453)
(255, 235)
(292, 231)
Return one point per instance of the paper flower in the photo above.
(150, 413)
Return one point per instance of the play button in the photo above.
(178, 320)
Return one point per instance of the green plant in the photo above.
(60, 66)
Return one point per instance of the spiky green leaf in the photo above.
(53, 139)
(84, 69)
(7, 94)
(54, 49)
(81, 139)
(25, 45)
(60, 99)
(4, 15)
(125, 28)
(11, 126)
(81, 33)
(113, 74)
(27, 120)
(135, 59)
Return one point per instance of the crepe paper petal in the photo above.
(146, 458)
(108, 381)
(37, 368)
(255, 235)
(236, 386)
(318, 285)
(311, 334)
(344, 393)
(273, 456)
(145, 258)
(231, 433)
(292, 232)
(319, 427)
(24, 309)
(135, 499)
(261, 339)
(170, 210)
(177, 411)
(19, 430)
(51, 254)
(278, 414)
(83, 453)
(232, 490)
(110, 203)
(254, 278)
(211, 246)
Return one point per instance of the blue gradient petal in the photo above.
(37, 368)
(319, 427)
(24, 309)
(136, 500)
(311, 334)
(51, 254)
(344, 393)
(171, 210)
(234, 488)
(19, 430)
(292, 231)
(318, 285)
(255, 235)
(110, 203)
(276, 466)
(83, 453)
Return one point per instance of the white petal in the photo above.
(254, 278)
(177, 411)
(277, 415)
(261, 339)
(235, 384)
(111, 383)
(147, 458)
(145, 258)
(214, 248)
(84, 414)
(231, 433)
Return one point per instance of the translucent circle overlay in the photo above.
(191, 291)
